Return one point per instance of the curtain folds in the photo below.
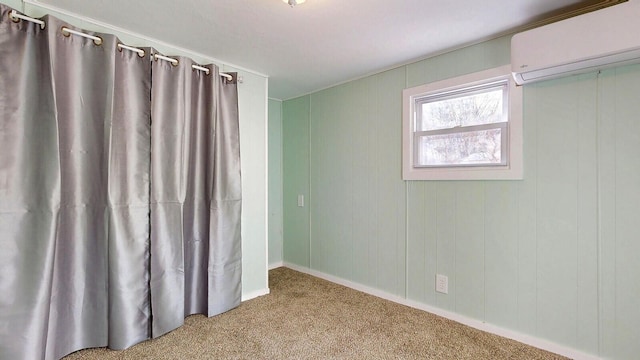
(195, 194)
(119, 193)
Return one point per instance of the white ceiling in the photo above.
(321, 42)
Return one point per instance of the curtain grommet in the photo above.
(64, 32)
(142, 54)
(15, 19)
(97, 41)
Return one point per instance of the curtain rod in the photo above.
(15, 17)
(195, 67)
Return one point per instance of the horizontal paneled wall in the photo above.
(552, 256)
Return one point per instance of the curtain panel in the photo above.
(119, 192)
(195, 194)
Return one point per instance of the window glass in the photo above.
(461, 149)
(484, 107)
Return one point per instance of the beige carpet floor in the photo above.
(308, 318)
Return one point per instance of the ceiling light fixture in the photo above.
(293, 3)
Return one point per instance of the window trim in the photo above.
(448, 87)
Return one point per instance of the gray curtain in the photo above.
(195, 196)
(119, 200)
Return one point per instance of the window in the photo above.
(466, 128)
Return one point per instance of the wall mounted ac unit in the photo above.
(600, 39)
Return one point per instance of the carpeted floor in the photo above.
(308, 318)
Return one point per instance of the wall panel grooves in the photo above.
(552, 256)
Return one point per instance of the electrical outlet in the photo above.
(442, 284)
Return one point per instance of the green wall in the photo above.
(295, 164)
(275, 182)
(16, 4)
(553, 256)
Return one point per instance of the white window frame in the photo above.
(512, 170)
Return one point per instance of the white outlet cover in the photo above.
(442, 284)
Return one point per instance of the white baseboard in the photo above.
(255, 294)
(276, 265)
(477, 324)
